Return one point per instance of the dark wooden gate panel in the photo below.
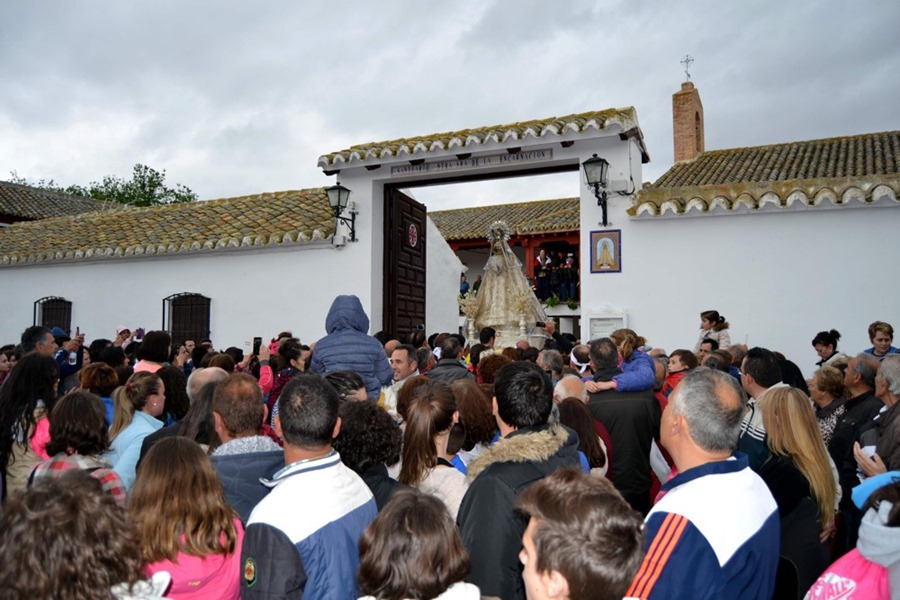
(404, 263)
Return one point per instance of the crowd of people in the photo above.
(554, 275)
(366, 466)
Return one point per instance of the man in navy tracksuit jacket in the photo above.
(715, 533)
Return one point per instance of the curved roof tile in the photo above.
(852, 170)
(31, 203)
(541, 216)
(851, 156)
(626, 118)
(259, 220)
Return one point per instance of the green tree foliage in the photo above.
(147, 187)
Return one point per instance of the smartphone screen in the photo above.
(257, 342)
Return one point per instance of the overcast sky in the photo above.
(235, 98)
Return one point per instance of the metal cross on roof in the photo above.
(687, 61)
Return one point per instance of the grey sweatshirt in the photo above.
(880, 544)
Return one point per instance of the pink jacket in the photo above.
(150, 367)
(214, 576)
(266, 379)
(40, 438)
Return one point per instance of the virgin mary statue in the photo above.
(505, 301)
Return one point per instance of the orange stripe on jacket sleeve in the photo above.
(652, 556)
(657, 556)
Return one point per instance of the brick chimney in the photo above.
(687, 121)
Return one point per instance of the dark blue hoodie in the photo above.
(348, 347)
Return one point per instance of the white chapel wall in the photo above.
(442, 269)
(368, 198)
(779, 278)
(254, 293)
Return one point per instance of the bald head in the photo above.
(200, 377)
(390, 346)
(580, 357)
(569, 386)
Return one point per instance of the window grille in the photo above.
(186, 317)
(53, 311)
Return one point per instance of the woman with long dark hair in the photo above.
(426, 464)
(413, 550)
(475, 414)
(26, 398)
(177, 401)
(406, 395)
(575, 415)
(296, 356)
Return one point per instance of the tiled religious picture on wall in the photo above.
(606, 251)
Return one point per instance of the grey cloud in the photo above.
(236, 97)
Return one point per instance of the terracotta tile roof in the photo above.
(30, 203)
(863, 168)
(260, 220)
(542, 216)
(626, 118)
(855, 156)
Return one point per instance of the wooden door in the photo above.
(404, 263)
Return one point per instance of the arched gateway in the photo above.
(391, 225)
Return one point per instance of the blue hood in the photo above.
(346, 312)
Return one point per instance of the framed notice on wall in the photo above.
(606, 319)
(606, 251)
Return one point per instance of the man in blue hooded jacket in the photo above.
(348, 347)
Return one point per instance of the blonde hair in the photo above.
(627, 341)
(830, 380)
(132, 397)
(793, 433)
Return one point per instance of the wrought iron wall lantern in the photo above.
(338, 197)
(596, 175)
